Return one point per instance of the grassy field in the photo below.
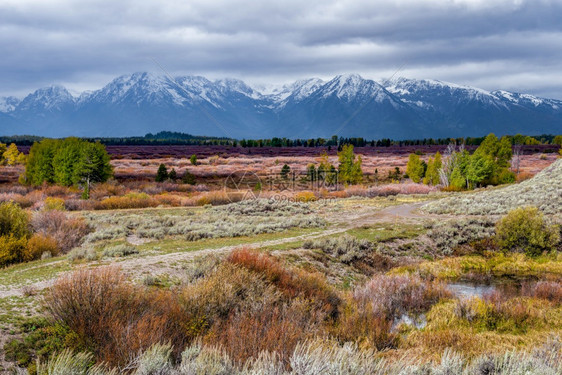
(265, 286)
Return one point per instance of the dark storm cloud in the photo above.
(514, 45)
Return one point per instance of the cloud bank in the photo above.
(512, 45)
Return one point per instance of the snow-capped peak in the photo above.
(51, 97)
(8, 104)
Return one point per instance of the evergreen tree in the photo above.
(188, 178)
(161, 174)
(285, 172)
(193, 159)
(173, 175)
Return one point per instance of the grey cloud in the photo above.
(501, 44)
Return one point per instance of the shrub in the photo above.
(67, 231)
(52, 203)
(14, 221)
(549, 290)
(120, 250)
(116, 319)
(80, 253)
(305, 196)
(393, 295)
(347, 248)
(292, 282)
(130, 200)
(526, 230)
(449, 235)
(39, 244)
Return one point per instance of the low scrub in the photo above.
(542, 191)
(526, 230)
(448, 236)
(346, 248)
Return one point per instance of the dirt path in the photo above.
(161, 262)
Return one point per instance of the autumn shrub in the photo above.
(273, 329)
(13, 220)
(525, 229)
(361, 323)
(67, 230)
(393, 295)
(129, 200)
(114, 318)
(218, 197)
(305, 196)
(12, 249)
(78, 204)
(39, 244)
(212, 299)
(14, 233)
(548, 290)
(52, 203)
(292, 282)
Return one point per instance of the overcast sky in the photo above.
(491, 44)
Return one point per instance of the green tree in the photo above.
(311, 172)
(161, 174)
(479, 168)
(432, 172)
(93, 166)
(557, 140)
(3, 149)
(285, 170)
(349, 169)
(415, 168)
(188, 178)
(193, 159)
(173, 175)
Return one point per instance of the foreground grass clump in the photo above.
(526, 230)
(319, 357)
(542, 191)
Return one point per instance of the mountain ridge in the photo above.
(347, 105)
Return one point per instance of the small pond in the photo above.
(461, 290)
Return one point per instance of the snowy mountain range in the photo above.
(347, 105)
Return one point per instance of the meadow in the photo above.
(383, 277)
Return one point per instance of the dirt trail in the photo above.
(345, 222)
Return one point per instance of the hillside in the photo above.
(348, 105)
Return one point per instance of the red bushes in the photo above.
(292, 282)
(549, 290)
(274, 329)
(113, 317)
